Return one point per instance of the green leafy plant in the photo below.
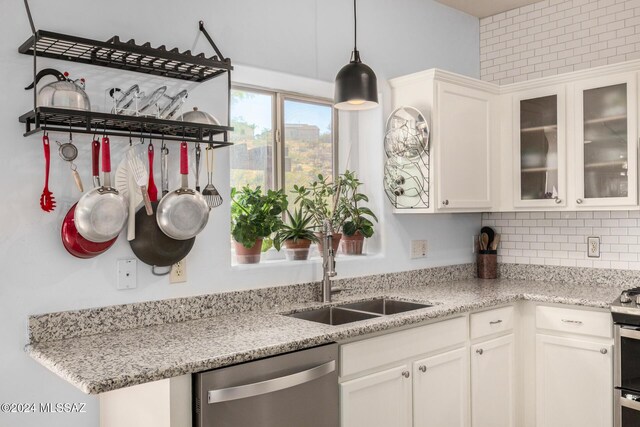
(298, 227)
(255, 215)
(358, 218)
(322, 201)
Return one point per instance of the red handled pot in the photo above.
(73, 242)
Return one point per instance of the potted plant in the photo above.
(296, 234)
(322, 201)
(254, 217)
(359, 219)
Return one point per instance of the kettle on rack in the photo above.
(62, 93)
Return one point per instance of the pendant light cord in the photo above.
(355, 26)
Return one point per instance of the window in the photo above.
(281, 140)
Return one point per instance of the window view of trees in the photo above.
(307, 139)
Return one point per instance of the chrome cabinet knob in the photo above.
(422, 368)
(603, 350)
(579, 201)
(480, 351)
(406, 374)
(558, 200)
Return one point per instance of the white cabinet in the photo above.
(493, 399)
(381, 399)
(463, 122)
(605, 141)
(573, 383)
(462, 126)
(441, 390)
(539, 148)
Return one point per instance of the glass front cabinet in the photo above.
(540, 152)
(605, 142)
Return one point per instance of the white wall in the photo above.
(558, 36)
(308, 38)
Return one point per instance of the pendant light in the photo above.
(356, 85)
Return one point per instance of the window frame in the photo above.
(278, 143)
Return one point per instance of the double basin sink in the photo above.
(355, 311)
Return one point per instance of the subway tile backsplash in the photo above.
(560, 238)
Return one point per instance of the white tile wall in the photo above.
(558, 36)
(560, 238)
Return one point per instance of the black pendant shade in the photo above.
(356, 85)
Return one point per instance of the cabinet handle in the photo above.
(422, 368)
(603, 351)
(406, 374)
(579, 201)
(446, 202)
(495, 322)
(558, 200)
(573, 322)
(480, 351)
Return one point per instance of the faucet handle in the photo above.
(338, 289)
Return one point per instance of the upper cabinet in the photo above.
(605, 135)
(462, 115)
(539, 148)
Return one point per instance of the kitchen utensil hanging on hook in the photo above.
(210, 192)
(151, 186)
(69, 152)
(47, 201)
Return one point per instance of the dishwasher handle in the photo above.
(269, 386)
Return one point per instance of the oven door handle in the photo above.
(630, 403)
(629, 333)
(269, 386)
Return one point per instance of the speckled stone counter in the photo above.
(121, 358)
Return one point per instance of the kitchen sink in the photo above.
(384, 306)
(356, 311)
(333, 315)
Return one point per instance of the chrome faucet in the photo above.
(328, 261)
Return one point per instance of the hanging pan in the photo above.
(102, 212)
(73, 242)
(184, 212)
(151, 245)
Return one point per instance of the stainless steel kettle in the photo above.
(63, 93)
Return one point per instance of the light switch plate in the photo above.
(593, 247)
(419, 249)
(127, 274)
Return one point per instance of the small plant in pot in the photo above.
(358, 224)
(296, 235)
(254, 217)
(322, 201)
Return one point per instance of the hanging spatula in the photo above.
(140, 176)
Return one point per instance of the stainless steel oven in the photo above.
(626, 375)
(298, 389)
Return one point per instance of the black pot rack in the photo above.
(129, 56)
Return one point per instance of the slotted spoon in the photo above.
(47, 201)
(210, 193)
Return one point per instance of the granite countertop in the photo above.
(109, 361)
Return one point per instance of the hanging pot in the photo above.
(63, 93)
(151, 245)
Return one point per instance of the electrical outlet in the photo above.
(593, 247)
(127, 274)
(178, 272)
(475, 244)
(418, 249)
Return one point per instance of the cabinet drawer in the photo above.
(491, 322)
(370, 353)
(584, 322)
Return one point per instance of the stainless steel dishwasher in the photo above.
(298, 389)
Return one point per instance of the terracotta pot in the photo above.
(248, 255)
(335, 244)
(297, 250)
(352, 245)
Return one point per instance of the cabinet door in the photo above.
(539, 151)
(574, 383)
(441, 390)
(492, 383)
(462, 134)
(606, 142)
(381, 399)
